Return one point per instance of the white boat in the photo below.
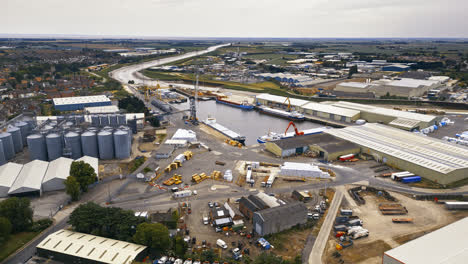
(293, 115)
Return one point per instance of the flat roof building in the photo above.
(447, 245)
(57, 172)
(330, 112)
(80, 102)
(8, 174)
(109, 109)
(73, 247)
(431, 158)
(29, 180)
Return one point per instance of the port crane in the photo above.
(289, 103)
(298, 133)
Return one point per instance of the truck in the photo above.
(346, 212)
(355, 222)
(340, 228)
(341, 219)
(181, 194)
(397, 176)
(411, 179)
(360, 233)
(220, 243)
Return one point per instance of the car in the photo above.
(315, 216)
(236, 253)
(187, 239)
(194, 192)
(218, 229)
(194, 240)
(216, 204)
(210, 204)
(175, 189)
(205, 220)
(178, 261)
(162, 260)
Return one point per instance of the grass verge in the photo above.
(15, 242)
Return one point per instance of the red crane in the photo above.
(298, 133)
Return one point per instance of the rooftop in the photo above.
(281, 99)
(80, 100)
(102, 109)
(99, 249)
(281, 212)
(330, 109)
(443, 246)
(301, 141)
(8, 173)
(411, 83)
(30, 177)
(59, 168)
(355, 84)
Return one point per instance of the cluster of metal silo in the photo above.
(112, 120)
(13, 140)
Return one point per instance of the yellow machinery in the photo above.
(176, 179)
(188, 155)
(289, 103)
(149, 89)
(197, 178)
(216, 175)
(233, 143)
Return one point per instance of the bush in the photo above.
(40, 225)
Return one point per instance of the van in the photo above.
(220, 243)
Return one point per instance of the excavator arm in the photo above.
(298, 133)
(289, 103)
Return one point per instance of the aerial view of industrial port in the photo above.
(230, 132)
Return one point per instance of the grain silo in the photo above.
(121, 146)
(113, 120)
(95, 120)
(17, 138)
(129, 134)
(37, 147)
(45, 129)
(106, 145)
(104, 120)
(60, 118)
(54, 146)
(73, 141)
(121, 120)
(2, 154)
(8, 147)
(24, 128)
(79, 119)
(89, 144)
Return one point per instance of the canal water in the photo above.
(250, 124)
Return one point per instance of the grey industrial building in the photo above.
(80, 102)
(448, 245)
(279, 218)
(73, 247)
(434, 159)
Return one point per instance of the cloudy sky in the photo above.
(237, 18)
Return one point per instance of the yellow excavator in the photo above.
(289, 103)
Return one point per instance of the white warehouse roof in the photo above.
(102, 109)
(281, 99)
(326, 108)
(30, 177)
(8, 174)
(94, 248)
(427, 152)
(355, 84)
(57, 172)
(80, 100)
(94, 162)
(411, 83)
(448, 245)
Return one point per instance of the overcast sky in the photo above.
(237, 18)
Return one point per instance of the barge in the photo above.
(293, 115)
(273, 136)
(244, 105)
(211, 122)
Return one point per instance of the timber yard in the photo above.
(307, 173)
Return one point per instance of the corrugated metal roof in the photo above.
(8, 173)
(281, 99)
(355, 84)
(427, 152)
(448, 245)
(404, 123)
(80, 100)
(59, 168)
(102, 109)
(99, 249)
(30, 177)
(326, 108)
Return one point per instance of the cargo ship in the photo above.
(293, 115)
(273, 136)
(211, 122)
(244, 105)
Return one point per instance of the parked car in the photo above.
(218, 229)
(210, 204)
(178, 261)
(187, 239)
(220, 243)
(205, 219)
(162, 260)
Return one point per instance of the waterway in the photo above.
(250, 124)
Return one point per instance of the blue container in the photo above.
(411, 179)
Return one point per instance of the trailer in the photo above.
(346, 212)
(340, 228)
(181, 194)
(456, 205)
(411, 179)
(355, 222)
(346, 157)
(397, 176)
(402, 220)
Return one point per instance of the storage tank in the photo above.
(113, 120)
(89, 145)
(104, 120)
(129, 134)
(24, 128)
(106, 145)
(95, 120)
(79, 119)
(8, 147)
(121, 146)
(2, 154)
(121, 120)
(37, 147)
(54, 146)
(73, 141)
(17, 138)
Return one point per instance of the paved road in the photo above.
(315, 256)
(127, 73)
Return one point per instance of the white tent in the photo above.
(302, 170)
(8, 174)
(184, 134)
(30, 178)
(57, 172)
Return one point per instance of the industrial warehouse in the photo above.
(80, 102)
(73, 247)
(37, 176)
(434, 159)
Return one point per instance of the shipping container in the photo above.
(411, 179)
(181, 194)
(347, 157)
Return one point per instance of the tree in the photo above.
(180, 246)
(18, 211)
(5, 229)
(72, 188)
(352, 70)
(153, 235)
(83, 173)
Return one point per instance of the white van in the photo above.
(221, 244)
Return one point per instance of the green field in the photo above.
(15, 242)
